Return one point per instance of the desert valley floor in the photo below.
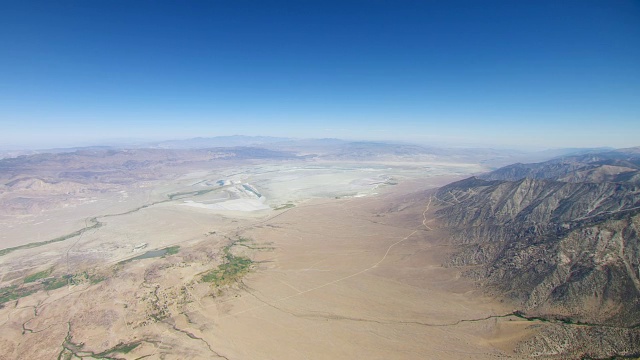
(281, 262)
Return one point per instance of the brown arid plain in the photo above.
(280, 261)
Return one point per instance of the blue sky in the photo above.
(490, 73)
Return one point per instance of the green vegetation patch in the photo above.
(233, 268)
(94, 279)
(14, 292)
(29, 286)
(55, 283)
(37, 276)
(122, 348)
(71, 350)
(84, 277)
(172, 250)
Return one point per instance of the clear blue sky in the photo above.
(503, 73)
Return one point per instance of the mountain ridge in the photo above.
(558, 244)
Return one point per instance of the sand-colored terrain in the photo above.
(337, 267)
(349, 285)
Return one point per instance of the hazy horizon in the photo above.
(130, 143)
(499, 74)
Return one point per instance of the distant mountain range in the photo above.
(561, 238)
(217, 141)
(333, 149)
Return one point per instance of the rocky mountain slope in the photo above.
(560, 238)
